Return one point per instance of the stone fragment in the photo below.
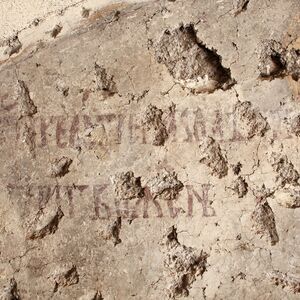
(295, 126)
(264, 221)
(62, 88)
(127, 186)
(65, 276)
(249, 120)
(183, 265)
(190, 62)
(113, 231)
(237, 168)
(85, 12)
(287, 174)
(211, 155)
(28, 137)
(56, 31)
(153, 121)
(104, 81)
(240, 187)
(240, 6)
(93, 295)
(10, 292)
(166, 185)
(13, 45)
(276, 61)
(26, 105)
(288, 197)
(285, 281)
(60, 167)
(46, 225)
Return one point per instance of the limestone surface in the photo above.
(150, 150)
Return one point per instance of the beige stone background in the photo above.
(77, 140)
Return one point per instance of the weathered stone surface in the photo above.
(190, 62)
(140, 117)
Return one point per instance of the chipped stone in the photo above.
(127, 186)
(47, 224)
(60, 167)
(166, 185)
(27, 107)
(113, 231)
(276, 61)
(288, 197)
(14, 45)
(11, 292)
(237, 168)
(65, 276)
(249, 120)
(190, 62)
(295, 126)
(183, 265)
(85, 12)
(240, 6)
(240, 187)
(56, 31)
(93, 295)
(287, 174)
(212, 156)
(264, 221)
(285, 280)
(153, 121)
(104, 81)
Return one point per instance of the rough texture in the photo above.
(240, 187)
(212, 156)
(183, 265)
(165, 185)
(276, 61)
(190, 62)
(27, 107)
(60, 167)
(287, 174)
(154, 121)
(249, 120)
(127, 186)
(121, 100)
(264, 221)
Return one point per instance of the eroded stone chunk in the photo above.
(240, 187)
(10, 292)
(104, 81)
(211, 155)
(93, 295)
(60, 167)
(264, 221)
(287, 174)
(13, 45)
(153, 121)
(249, 120)
(190, 62)
(295, 126)
(56, 30)
(65, 276)
(292, 58)
(166, 185)
(240, 6)
(286, 281)
(113, 231)
(288, 197)
(276, 61)
(47, 224)
(26, 105)
(127, 186)
(183, 265)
